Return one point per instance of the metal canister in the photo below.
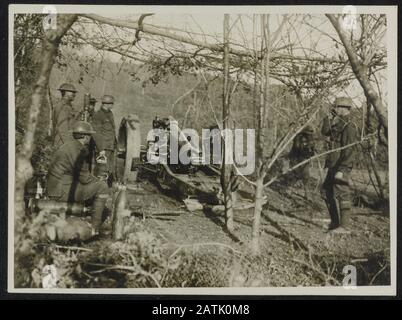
(101, 168)
(59, 207)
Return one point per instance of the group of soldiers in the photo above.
(70, 177)
(76, 144)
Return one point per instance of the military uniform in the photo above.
(337, 189)
(64, 118)
(105, 137)
(70, 179)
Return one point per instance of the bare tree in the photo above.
(227, 169)
(360, 69)
(50, 44)
(261, 123)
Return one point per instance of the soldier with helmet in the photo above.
(105, 139)
(341, 132)
(63, 115)
(69, 176)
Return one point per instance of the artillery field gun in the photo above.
(196, 183)
(192, 180)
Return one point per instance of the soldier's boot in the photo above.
(111, 168)
(343, 214)
(345, 207)
(98, 207)
(333, 210)
(111, 178)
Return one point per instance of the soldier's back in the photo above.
(104, 125)
(64, 119)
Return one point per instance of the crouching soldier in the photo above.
(341, 132)
(69, 176)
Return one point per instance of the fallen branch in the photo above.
(359, 260)
(323, 275)
(378, 273)
(316, 157)
(202, 244)
(108, 267)
(73, 248)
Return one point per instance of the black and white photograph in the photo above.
(202, 149)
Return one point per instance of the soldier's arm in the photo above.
(346, 156)
(56, 115)
(114, 133)
(61, 119)
(86, 176)
(82, 168)
(326, 126)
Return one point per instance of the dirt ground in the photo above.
(294, 240)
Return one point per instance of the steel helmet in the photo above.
(308, 130)
(343, 102)
(107, 99)
(67, 87)
(83, 127)
(92, 100)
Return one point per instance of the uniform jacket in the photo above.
(103, 124)
(340, 134)
(64, 118)
(70, 164)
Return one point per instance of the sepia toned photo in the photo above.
(202, 150)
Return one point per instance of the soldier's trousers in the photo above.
(337, 196)
(78, 192)
(111, 163)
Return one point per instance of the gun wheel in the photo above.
(128, 148)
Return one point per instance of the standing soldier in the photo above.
(69, 176)
(105, 138)
(64, 115)
(341, 132)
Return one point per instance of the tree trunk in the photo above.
(227, 169)
(360, 71)
(377, 176)
(262, 120)
(120, 213)
(24, 168)
(258, 202)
